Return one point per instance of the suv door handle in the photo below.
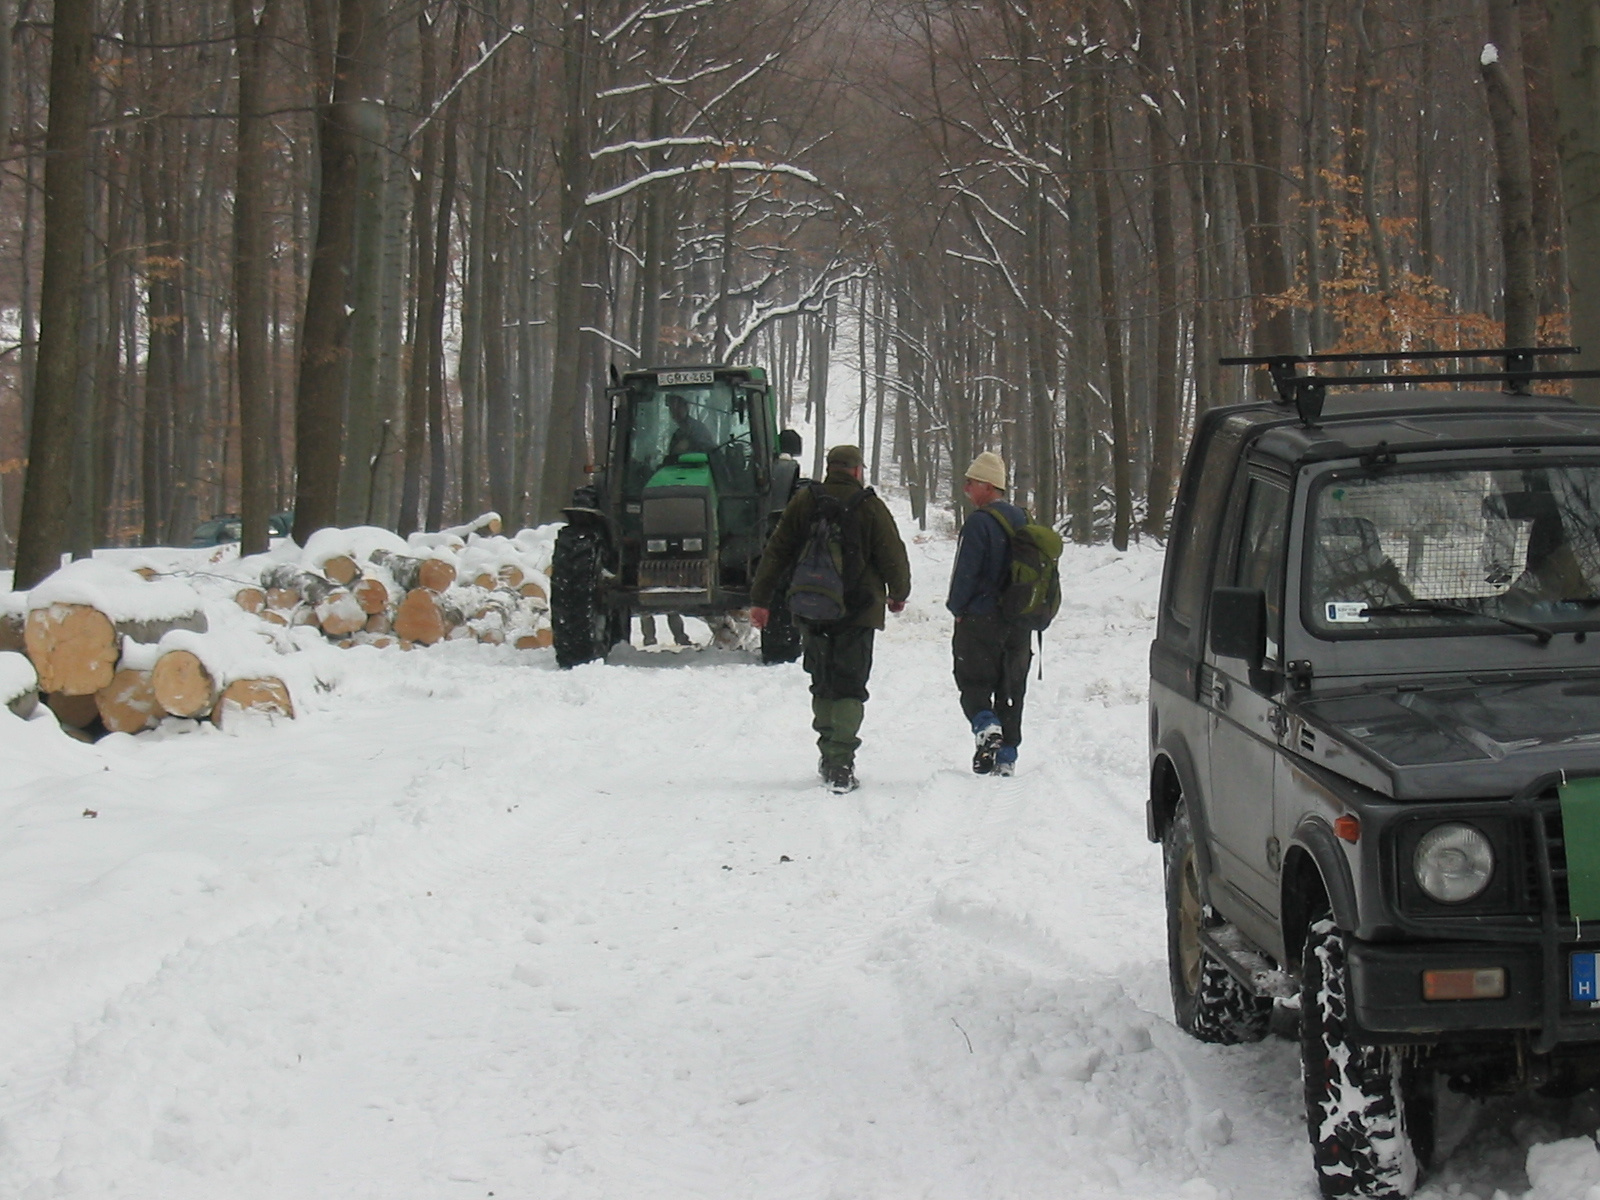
(1219, 691)
(1277, 721)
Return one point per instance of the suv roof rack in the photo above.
(1307, 392)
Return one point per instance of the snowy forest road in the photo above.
(477, 927)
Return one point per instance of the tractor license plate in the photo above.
(1586, 976)
(682, 378)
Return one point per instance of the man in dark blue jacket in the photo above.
(992, 654)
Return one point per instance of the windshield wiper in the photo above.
(1442, 608)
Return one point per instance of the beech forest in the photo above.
(370, 262)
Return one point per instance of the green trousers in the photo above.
(839, 662)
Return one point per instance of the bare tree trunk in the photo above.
(469, 364)
(47, 491)
(1546, 182)
(365, 409)
(1365, 142)
(342, 122)
(564, 439)
(725, 280)
(438, 460)
(250, 268)
(1502, 77)
(1575, 36)
(1110, 320)
(880, 363)
(817, 385)
(1274, 326)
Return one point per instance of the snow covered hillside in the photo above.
(472, 926)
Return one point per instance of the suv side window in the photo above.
(1193, 543)
(1258, 561)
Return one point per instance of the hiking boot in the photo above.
(840, 778)
(986, 732)
(1005, 761)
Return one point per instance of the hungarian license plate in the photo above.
(1586, 976)
(683, 378)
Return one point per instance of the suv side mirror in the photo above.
(1239, 624)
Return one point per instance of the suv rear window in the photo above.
(1514, 541)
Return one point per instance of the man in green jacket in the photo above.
(838, 656)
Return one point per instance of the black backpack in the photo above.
(825, 588)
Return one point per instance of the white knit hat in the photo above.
(989, 468)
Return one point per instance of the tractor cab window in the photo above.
(711, 418)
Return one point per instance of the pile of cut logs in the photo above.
(396, 599)
(90, 676)
(95, 671)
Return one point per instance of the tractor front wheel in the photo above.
(580, 623)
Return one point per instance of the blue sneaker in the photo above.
(1005, 761)
(986, 732)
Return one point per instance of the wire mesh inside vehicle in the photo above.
(1519, 542)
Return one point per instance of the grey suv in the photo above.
(1375, 745)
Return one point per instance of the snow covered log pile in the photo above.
(121, 648)
(113, 649)
(368, 586)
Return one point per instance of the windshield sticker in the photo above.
(1348, 612)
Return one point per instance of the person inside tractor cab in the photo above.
(689, 434)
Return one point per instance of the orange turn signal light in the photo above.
(1470, 983)
(1347, 828)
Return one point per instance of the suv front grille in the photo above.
(1555, 840)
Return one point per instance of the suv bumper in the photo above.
(1386, 994)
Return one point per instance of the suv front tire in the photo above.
(1369, 1109)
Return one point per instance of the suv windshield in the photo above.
(1476, 546)
(710, 418)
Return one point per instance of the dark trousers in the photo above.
(839, 662)
(992, 656)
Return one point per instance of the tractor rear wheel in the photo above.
(580, 623)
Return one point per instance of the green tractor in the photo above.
(694, 478)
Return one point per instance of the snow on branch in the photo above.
(706, 164)
(655, 144)
(484, 55)
(738, 83)
(645, 13)
(825, 284)
(606, 337)
(665, 81)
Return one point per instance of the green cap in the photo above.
(848, 457)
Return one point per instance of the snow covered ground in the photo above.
(472, 926)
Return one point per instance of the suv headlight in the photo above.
(1453, 863)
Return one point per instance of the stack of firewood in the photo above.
(122, 673)
(105, 648)
(489, 589)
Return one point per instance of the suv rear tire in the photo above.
(1369, 1109)
(1208, 1003)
